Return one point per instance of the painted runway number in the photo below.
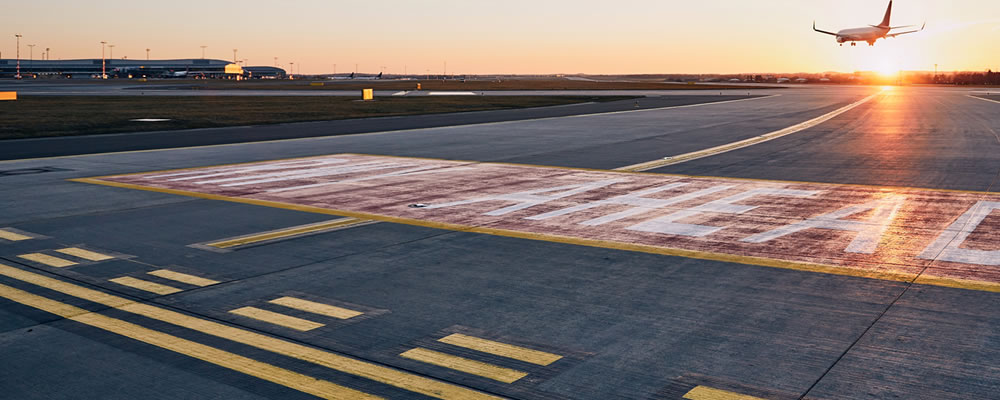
(936, 237)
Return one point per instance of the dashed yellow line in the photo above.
(271, 317)
(85, 254)
(145, 286)
(497, 373)
(183, 278)
(288, 232)
(386, 375)
(316, 308)
(235, 362)
(707, 393)
(13, 236)
(47, 260)
(500, 349)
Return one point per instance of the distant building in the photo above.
(91, 68)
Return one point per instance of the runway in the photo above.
(851, 258)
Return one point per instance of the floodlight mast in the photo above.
(104, 74)
(18, 75)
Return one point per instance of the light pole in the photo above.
(235, 60)
(147, 54)
(104, 74)
(111, 52)
(203, 51)
(291, 70)
(31, 56)
(47, 53)
(275, 62)
(18, 76)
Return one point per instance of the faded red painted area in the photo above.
(921, 219)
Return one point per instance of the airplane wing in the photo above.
(903, 33)
(828, 33)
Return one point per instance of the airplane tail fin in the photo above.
(888, 14)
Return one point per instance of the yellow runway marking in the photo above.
(84, 254)
(386, 375)
(12, 236)
(646, 166)
(289, 232)
(47, 260)
(268, 372)
(270, 317)
(316, 308)
(183, 278)
(505, 375)
(707, 393)
(500, 349)
(146, 286)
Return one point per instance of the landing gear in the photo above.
(854, 44)
(871, 43)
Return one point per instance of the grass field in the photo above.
(470, 85)
(39, 116)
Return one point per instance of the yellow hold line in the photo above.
(386, 375)
(316, 308)
(145, 286)
(13, 236)
(500, 349)
(283, 233)
(707, 393)
(303, 383)
(479, 368)
(47, 260)
(287, 321)
(183, 278)
(85, 254)
(646, 166)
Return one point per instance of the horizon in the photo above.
(638, 37)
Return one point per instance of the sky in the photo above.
(515, 36)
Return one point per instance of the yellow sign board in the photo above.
(8, 95)
(316, 84)
(368, 94)
(234, 69)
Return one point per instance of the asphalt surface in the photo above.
(73, 145)
(626, 324)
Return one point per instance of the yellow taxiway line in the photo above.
(500, 349)
(13, 236)
(145, 286)
(85, 254)
(48, 260)
(479, 368)
(235, 362)
(271, 317)
(316, 308)
(340, 223)
(183, 278)
(707, 393)
(389, 376)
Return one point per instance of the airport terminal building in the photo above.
(91, 68)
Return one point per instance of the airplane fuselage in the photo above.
(869, 34)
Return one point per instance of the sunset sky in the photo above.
(516, 36)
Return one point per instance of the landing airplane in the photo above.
(871, 33)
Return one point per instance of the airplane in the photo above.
(871, 33)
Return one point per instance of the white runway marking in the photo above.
(646, 166)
